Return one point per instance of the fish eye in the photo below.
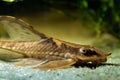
(87, 52)
(82, 50)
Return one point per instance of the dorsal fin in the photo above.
(18, 30)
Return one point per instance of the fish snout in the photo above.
(108, 53)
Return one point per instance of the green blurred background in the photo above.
(79, 21)
(91, 22)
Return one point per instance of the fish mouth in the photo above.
(92, 62)
(101, 60)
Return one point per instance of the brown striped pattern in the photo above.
(36, 49)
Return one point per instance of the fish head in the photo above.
(88, 54)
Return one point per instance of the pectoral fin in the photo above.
(29, 62)
(56, 64)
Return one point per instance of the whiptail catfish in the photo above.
(36, 45)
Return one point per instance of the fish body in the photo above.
(58, 53)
